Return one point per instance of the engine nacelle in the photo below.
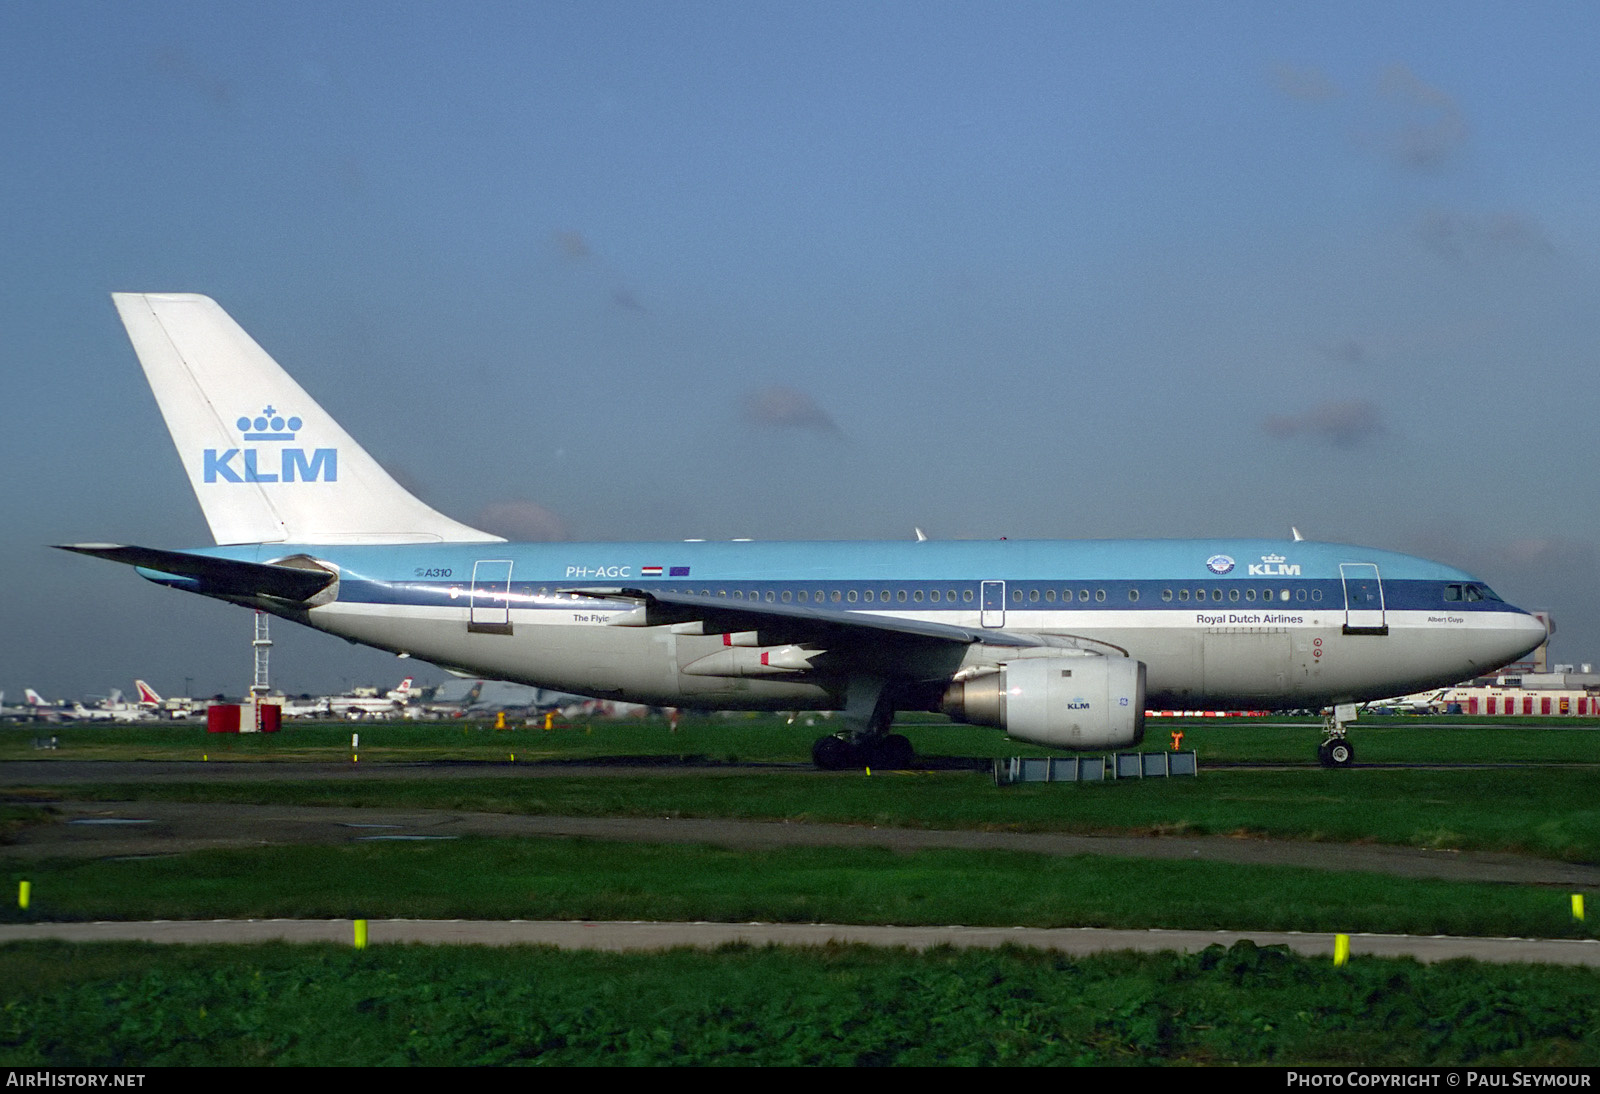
(1058, 702)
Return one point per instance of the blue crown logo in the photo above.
(269, 425)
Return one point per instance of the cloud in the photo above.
(1342, 423)
(1305, 84)
(1463, 239)
(1550, 553)
(624, 298)
(1432, 129)
(786, 408)
(523, 521)
(572, 245)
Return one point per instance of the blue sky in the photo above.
(637, 270)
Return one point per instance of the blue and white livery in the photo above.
(1064, 644)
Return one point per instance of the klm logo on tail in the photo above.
(291, 464)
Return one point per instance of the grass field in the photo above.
(1551, 812)
(140, 1006)
(765, 739)
(135, 1006)
(479, 878)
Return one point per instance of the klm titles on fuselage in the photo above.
(293, 464)
(1273, 566)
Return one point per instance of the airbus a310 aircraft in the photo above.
(1063, 644)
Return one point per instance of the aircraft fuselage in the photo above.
(1217, 623)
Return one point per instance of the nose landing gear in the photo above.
(1336, 750)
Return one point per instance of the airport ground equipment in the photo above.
(1082, 769)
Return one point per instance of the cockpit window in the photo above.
(1452, 592)
(1474, 593)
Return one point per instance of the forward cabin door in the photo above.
(490, 610)
(1363, 599)
(994, 604)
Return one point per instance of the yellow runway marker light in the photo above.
(1341, 949)
(24, 894)
(361, 934)
(1577, 907)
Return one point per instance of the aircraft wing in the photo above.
(215, 576)
(794, 622)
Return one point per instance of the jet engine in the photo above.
(1058, 702)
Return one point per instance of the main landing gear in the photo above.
(865, 741)
(1336, 750)
(840, 753)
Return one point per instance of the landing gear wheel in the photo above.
(835, 754)
(1336, 753)
(891, 751)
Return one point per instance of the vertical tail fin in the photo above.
(147, 694)
(267, 463)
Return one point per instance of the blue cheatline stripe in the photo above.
(1303, 595)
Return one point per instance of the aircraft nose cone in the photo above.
(1520, 635)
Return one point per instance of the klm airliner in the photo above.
(1063, 644)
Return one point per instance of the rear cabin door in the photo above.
(1363, 599)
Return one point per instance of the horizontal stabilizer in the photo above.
(216, 576)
